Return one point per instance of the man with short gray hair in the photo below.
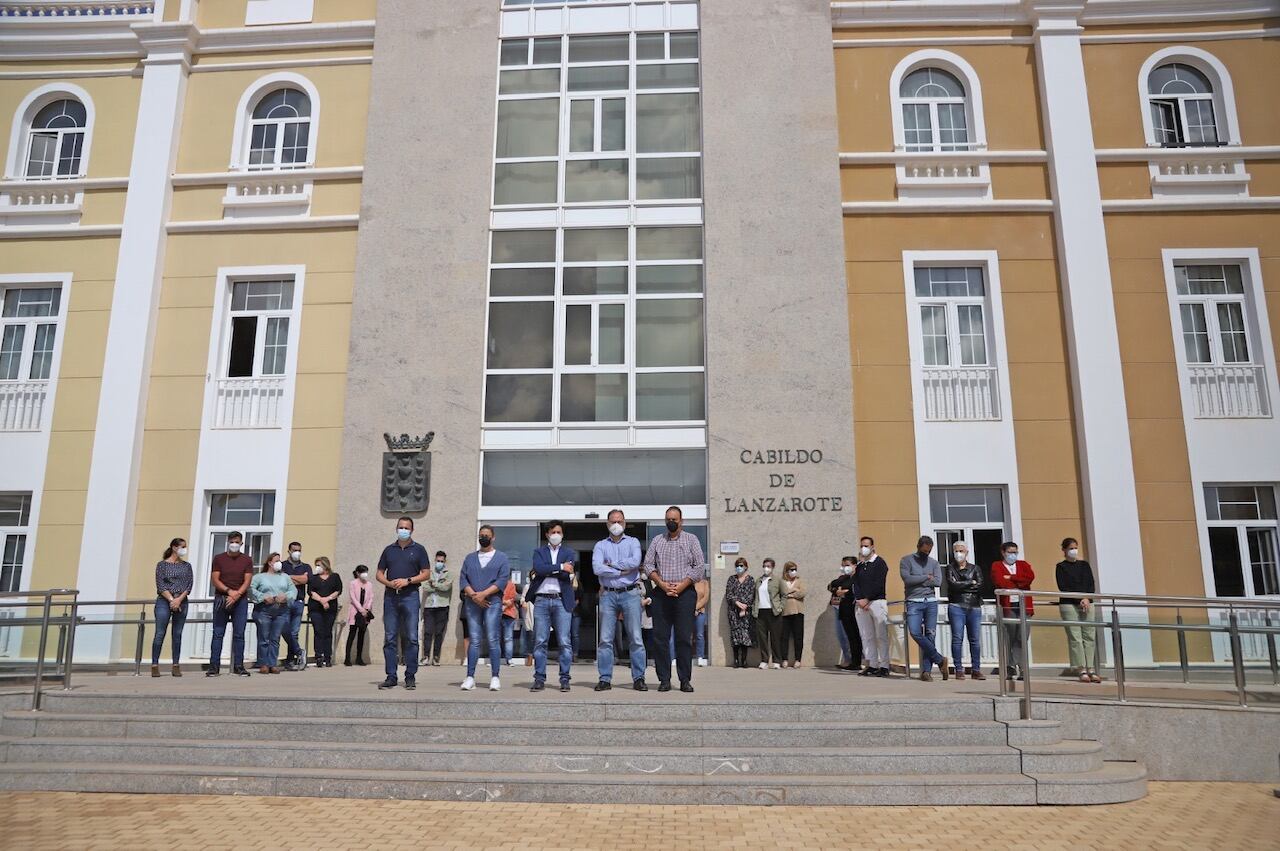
(921, 574)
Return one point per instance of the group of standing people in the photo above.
(767, 612)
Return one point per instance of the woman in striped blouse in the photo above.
(174, 581)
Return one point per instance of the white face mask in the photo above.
(363, 577)
(960, 557)
(316, 569)
(1010, 558)
(791, 574)
(846, 569)
(275, 567)
(555, 538)
(182, 552)
(233, 548)
(616, 529)
(865, 551)
(296, 555)
(768, 569)
(1073, 553)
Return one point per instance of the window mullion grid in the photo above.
(27, 353)
(558, 320)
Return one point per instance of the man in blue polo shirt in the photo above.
(402, 568)
(299, 572)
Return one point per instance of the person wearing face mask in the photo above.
(271, 592)
(1075, 577)
(435, 608)
(674, 561)
(324, 590)
(766, 609)
(485, 573)
(1013, 573)
(552, 592)
(231, 575)
(921, 575)
(174, 581)
(872, 610)
(740, 597)
(964, 610)
(841, 590)
(402, 568)
(359, 614)
(300, 573)
(793, 593)
(615, 560)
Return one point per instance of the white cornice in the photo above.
(58, 39)
(999, 205)
(66, 231)
(1173, 205)
(74, 184)
(889, 157)
(1227, 152)
(876, 13)
(215, 178)
(265, 223)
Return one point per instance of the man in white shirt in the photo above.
(552, 592)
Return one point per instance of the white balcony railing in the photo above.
(22, 405)
(927, 170)
(1199, 167)
(1228, 391)
(249, 403)
(953, 394)
(77, 9)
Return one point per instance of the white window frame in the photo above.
(1258, 331)
(929, 175)
(1224, 99)
(242, 134)
(1243, 528)
(63, 284)
(259, 345)
(20, 134)
(6, 531)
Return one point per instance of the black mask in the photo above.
(485, 540)
(672, 525)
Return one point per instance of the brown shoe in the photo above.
(959, 676)
(155, 670)
(177, 670)
(944, 668)
(264, 670)
(926, 677)
(977, 675)
(274, 670)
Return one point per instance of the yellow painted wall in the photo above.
(230, 13)
(115, 102)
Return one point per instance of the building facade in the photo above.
(809, 270)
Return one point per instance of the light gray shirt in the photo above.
(918, 579)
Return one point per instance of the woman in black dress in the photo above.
(739, 593)
(323, 590)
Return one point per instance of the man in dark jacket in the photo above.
(872, 610)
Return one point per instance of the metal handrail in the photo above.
(1232, 629)
(65, 648)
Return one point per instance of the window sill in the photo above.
(275, 194)
(1167, 183)
(42, 202)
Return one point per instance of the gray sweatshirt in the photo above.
(918, 579)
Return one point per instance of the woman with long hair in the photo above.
(323, 591)
(174, 580)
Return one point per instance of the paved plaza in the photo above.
(1173, 816)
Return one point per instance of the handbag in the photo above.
(362, 620)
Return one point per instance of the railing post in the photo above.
(1025, 660)
(71, 641)
(1002, 644)
(1271, 650)
(62, 643)
(137, 654)
(1237, 658)
(906, 643)
(1117, 650)
(1182, 651)
(44, 637)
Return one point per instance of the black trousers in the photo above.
(435, 622)
(355, 640)
(769, 635)
(850, 624)
(793, 634)
(322, 621)
(676, 613)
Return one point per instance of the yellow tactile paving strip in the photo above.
(1174, 816)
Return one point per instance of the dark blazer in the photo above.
(542, 568)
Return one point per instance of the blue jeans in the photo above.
(922, 621)
(291, 628)
(843, 638)
(238, 615)
(575, 633)
(548, 611)
(484, 625)
(508, 638)
(628, 602)
(699, 637)
(271, 621)
(966, 620)
(165, 617)
(400, 621)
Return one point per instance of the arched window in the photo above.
(1182, 110)
(280, 131)
(934, 111)
(55, 140)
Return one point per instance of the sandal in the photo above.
(1095, 678)
(1084, 678)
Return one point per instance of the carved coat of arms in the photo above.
(406, 474)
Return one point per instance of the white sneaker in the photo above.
(494, 685)
(673, 661)
(469, 683)
(764, 665)
(776, 665)
(511, 663)
(702, 663)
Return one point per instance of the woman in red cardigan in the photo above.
(1014, 573)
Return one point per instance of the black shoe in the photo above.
(410, 683)
(291, 666)
(687, 688)
(347, 663)
(361, 662)
(850, 668)
(867, 672)
(389, 682)
(882, 672)
(640, 685)
(538, 685)
(212, 672)
(564, 687)
(240, 672)
(664, 686)
(603, 685)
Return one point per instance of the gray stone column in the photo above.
(778, 357)
(417, 326)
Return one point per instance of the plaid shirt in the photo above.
(676, 560)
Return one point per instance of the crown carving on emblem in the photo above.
(405, 443)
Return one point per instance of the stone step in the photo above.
(638, 760)
(812, 734)
(755, 789)
(1071, 756)
(623, 706)
(1114, 782)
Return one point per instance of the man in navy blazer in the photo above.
(552, 595)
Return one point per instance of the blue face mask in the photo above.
(440, 565)
(403, 534)
(739, 569)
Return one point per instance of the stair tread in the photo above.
(1111, 772)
